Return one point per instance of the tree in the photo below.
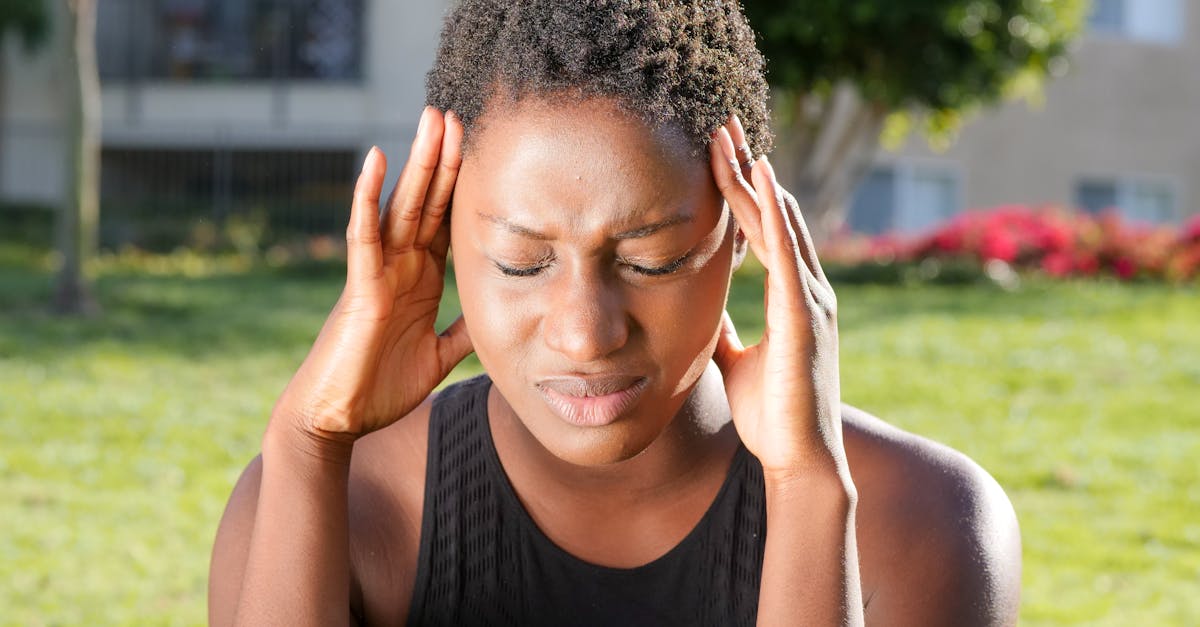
(79, 218)
(30, 21)
(841, 71)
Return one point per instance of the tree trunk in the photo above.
(3, 111)
(826, 146)
(78, 218)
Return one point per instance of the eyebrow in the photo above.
(639, 232)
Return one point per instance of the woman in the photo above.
(625, 459)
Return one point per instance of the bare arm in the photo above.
(810, 565)
(283, 550)
(785, 397)
(231, 546)
(298, 567)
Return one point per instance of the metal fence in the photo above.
(159, 198)
(212, 192)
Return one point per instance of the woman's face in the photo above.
(593, 259)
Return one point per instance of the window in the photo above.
(213, 40)
(1107, 16)
(1141, 200)
(874, 202)
(906, 198)
(1158, 21)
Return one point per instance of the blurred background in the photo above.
(1006, 193)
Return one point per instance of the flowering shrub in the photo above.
(1184, 262)
(1049, 240)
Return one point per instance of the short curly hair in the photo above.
(690, 63)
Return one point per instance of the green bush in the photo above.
(27, 223)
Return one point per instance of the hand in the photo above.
(784, 392)
(378, 356)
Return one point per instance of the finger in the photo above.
(454, 344)
(740, 196)
(402, 217)
(364, 257)
(745, 156)
(441, 243)
(729, 345)
(808, 250)
(786, 268)
(441, 190)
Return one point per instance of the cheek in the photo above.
(681, 322)
(496, 316)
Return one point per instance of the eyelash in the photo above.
(529, 271)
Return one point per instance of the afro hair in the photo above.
(688, 63)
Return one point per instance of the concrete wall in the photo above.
(32, 145)
(382, 108)
(1125, 109)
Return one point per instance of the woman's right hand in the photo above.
(378, 356)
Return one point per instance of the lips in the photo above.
(591, 401)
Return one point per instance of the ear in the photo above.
(740, 244)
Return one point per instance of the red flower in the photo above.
(951, 238)
(1191, 230)
(1059, 242)
(1058, 264)
(998, 244)
(1124, 267)
(1087, 264)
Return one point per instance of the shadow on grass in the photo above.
(235, 314)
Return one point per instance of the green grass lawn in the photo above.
(121, 437)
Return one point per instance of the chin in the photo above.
(613, 443)
(588, 446)
(600, 447)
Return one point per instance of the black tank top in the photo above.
(483, 561)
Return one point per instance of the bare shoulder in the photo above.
(386, 493)
(939, 542)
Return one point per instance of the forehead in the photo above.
(579, 159)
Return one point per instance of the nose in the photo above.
(586, 320)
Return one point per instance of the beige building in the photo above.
(223, 106)
(217, 107)
(1120, 129)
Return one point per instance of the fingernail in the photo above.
(726, 143)
(370, 157)
(737, 122)
(422, 123)
(766, 162)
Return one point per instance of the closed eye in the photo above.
(535, 269)
(523, 271)
(659, 270)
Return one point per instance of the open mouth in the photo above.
(592, 401)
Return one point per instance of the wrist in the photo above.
(289, 439)
(811, 486)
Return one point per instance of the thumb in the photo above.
(729, 346)
(454, 344)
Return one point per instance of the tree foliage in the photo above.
(839, 68)
(938, 55)
(29, 19)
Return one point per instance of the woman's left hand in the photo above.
(784, 392)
